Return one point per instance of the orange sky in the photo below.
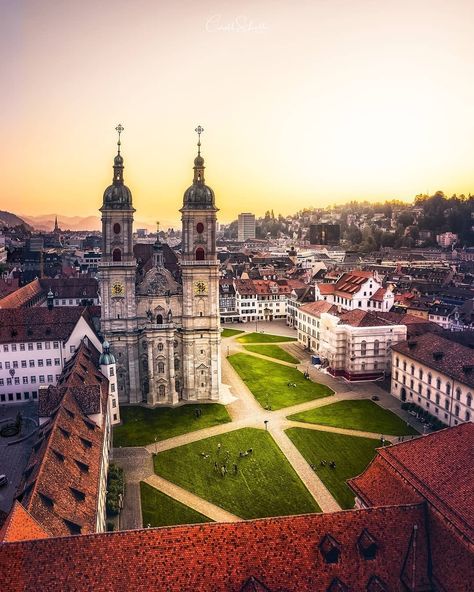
(304, 103)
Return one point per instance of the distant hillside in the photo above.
(45, 222)
(9, 219)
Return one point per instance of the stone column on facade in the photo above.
(173, 395)
(151, 375)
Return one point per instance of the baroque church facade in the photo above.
(162, 325)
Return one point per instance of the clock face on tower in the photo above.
(200, 287)
(118, 290)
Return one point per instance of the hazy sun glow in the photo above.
(303, 103)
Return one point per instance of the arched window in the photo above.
(420, 374)
(176, 363)
(448, 388)
(161, 367)
(404, 366)
(159, 319)
(468, 399)
(468, 416)
(117, 228)
(456, 410)
(200, 255)
(397, 362)
(458, 394)
(363, 348)
(412, 369)
(429, 377)
(376, 347)
(162, 390)
(438, 383)
(116, 255)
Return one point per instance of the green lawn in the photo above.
(268, 382)
(272, 351)
(230, 332)
(263, 338)
(350, 453)
(142, 425)
(158, 509)
(362, 415)
(265, 483)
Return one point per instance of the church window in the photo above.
(200, 255)
(177, 386)
(376, 347)
(363, 348)
(200, 228)
(161, 367)
(159, 319)
(117, 228)
(176, 364)
(161, 390)
(116, 255)
(160, 347)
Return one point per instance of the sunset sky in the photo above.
(304, 103)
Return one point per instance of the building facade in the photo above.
(437, 375)
(163, 328)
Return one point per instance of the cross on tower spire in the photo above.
(119, 129)
(199, 131)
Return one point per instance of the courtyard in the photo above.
(268, 451)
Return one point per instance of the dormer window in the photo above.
(367, 545)
(330, 549)
(337, 586)
(375, 584)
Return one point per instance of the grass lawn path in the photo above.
(230, 332)
(263, 338)
(141, 425)
(158, 509)
(272, 351)
(351, 454)
(364, 415)
(268, 381)
(265, 483)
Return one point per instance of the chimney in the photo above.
(438, 355)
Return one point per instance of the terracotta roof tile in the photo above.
(23, 296)
(21, 526)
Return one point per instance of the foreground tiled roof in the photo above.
(441, 354)
(437, 467)
(290, 553)
(39, 324)
(21, 526)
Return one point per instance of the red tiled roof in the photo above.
(362, 318)
(434, 468)
(21, 526)
(23, 295)
(441, 354)
(21, 325)
(378, 296)
(326, 289)
(278, 553)
(316, 308)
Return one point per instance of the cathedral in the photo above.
(161, 319)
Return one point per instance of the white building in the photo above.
(353, 344)
(357, 289)
(437, 375)
(246, 226)
(261, 300)
(446, 239)
(35, 344)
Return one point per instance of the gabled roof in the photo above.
(431, 467)
(21, 526)
(39, 323)
(22, 296)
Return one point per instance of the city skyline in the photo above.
(308, 105)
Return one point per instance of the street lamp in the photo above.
(265, 421)
(156, 440)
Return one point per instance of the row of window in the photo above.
(18, 396)
(457, 409)
(31, 346)
(429, 379)
(28, 379)
(30, 363)
(428, 391)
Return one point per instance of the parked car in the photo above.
(3, 480)
(375, 398)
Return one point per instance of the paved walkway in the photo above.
(245, 411)
(193, 501)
